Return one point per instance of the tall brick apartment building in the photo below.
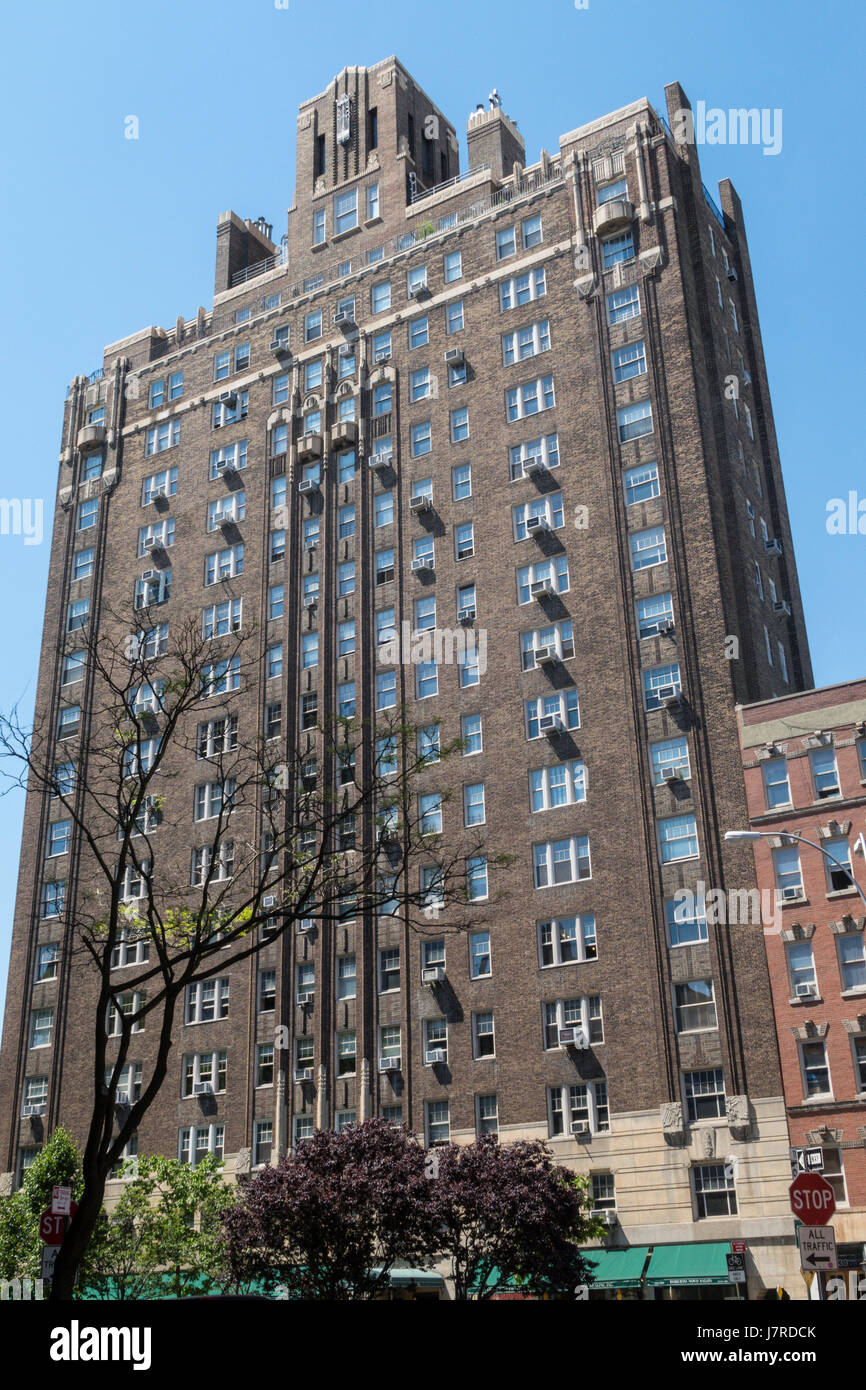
(805, 771)
(530, 398)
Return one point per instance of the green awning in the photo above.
(424, 1278)
(616, 1269)
(689, 1264)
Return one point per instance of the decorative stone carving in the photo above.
(65, 496)
(847, 924)
(653, 258)
(708, 1142)
(834, 829)
(585, 286)
(7, 1184)
(738, 1116)
(798, 932)
(810, 1029)
(243, 1160)
(824, 1135)
(855, 1025)
(673, 1128)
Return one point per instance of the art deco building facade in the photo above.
(528, 403)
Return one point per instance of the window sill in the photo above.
(799, 1000)
(374, 221)
(344, 236)
(858, 992)
(843, 893)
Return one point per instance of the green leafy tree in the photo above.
(58, 1164)
(164, 1236)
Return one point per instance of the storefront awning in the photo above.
(689, 1264)
(616, 1269)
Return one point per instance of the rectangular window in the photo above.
(648, 548)
(454, 321)
(623, 304)
(527, 342)
(563, 784)
(825, 774)
(715, 1191)
(470, 734)
(567, 941)
(633, 421)
(578, 1108)
(777, 789)
(629, 361)
(41, 1027)
(654, 615)
(670, 761)
(695, 1006)
(561, 861)
(642, 483)
(522, 289)
(161, 437)
(816, 1070)
(345, 211)
(483, 1041)
(530, 517)
(852, 960)
(705, 1094)
(678, 838)
(530, 398)
(561, 705)
(617, 249)
(459, 425)
(801, 970)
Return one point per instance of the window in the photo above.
(486, 1115)
(476, 877)
(825, 775)
(437, 1125)
(559, 636)
(318, 226)
(816, 1070)
(852, 960)
(641, 483)
(384, 566)
(608, 191)
(786, 866)
(88, 513)
(208, 1069)
(581, 1105)
(416, 279)
(347, 975)
(464, 541)
(801, 970)
(48, 962)
(468, 668)
(629, 361)
(530, 398)
(734, 319)
(695, 1006)
(221, 619)
(125, 1006)
(859, 1046)
(634, 421)
(459, 425)
(389, 969)
(383, 503)
(232, 508)
(73, 668)
(68, 721)
(195, 1143)
(670, 759)
(380, 298)
(454, 317)
(217, 736)
(207, 869)
(473, 804)
(346, 1054)
(560, 785)
(777, 790)
(661, 683)
(41, 1027)
(648, 548)
(346, 578)
(678, 838)
(470, 734)
(483, 1043)
(386, 690)
(522, 289)
(419, 384)
(453, 264)
(617, 249)
(59, 837)
(564, 704)
(567, 940)
(422, 442)
(82, 564)
(654, 614)
(479, 955)
(522, 343)
(561, 861)
(623, 304)
(211, 798)
(715, 1192)
(430, 814)
(313, 326)
(548, 508)
(206, 1001)
(705, 1094)
(53, 899)
(161, 437)
(345, 211)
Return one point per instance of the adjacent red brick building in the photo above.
(804, 758)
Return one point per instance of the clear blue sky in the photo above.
(102, 236)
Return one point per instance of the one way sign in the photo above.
(817, 1247)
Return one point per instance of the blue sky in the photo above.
(102, 235)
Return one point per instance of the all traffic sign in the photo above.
(812, 1199)
(817, 1248)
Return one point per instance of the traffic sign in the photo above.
(807, 1161)
(736, 1268)
(738, 1247)
(60, 1200)
(49, 1259)
(812, 1198)
(52, 1227)
(817, 1247)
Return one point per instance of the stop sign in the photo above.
(812, 1199)
(52, 1227)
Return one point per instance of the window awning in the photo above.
(617, 1269)
(422, 1278)
(689, 1264)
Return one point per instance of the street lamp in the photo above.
(793, 838)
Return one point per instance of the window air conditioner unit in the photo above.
(389, 1063)
(546, 656)
(228, 397)
(579, 1127)
(534, 464)
(670, 774)
(424, 563)
(782, 609)
(435, 1056)
(306, 485)
(343, 319)
(279, 345)
(573, 1037)
(731, 272)
(417, 291)
(383, 355)
(806, 991)
(310, 600)
(604, 1215)
(466, 615)
(269, 901)
(422, 503)
(302, 1074)
(122, 1099)
(542, 588)
(673, 700)
(773, 546)
(151, 543)
(666, 628)
(29, 1111)
(537, 524)
(160, 491)
(380, 460)
(202, 1088)
(432, 974)
(227, 520)
(551, 724)
(225, 466)
(306, 924)
(305, 997)
(791, 894)
(149, 575)
(455, 356)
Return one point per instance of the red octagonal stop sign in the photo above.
(812, 1199)
(52, 1228)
